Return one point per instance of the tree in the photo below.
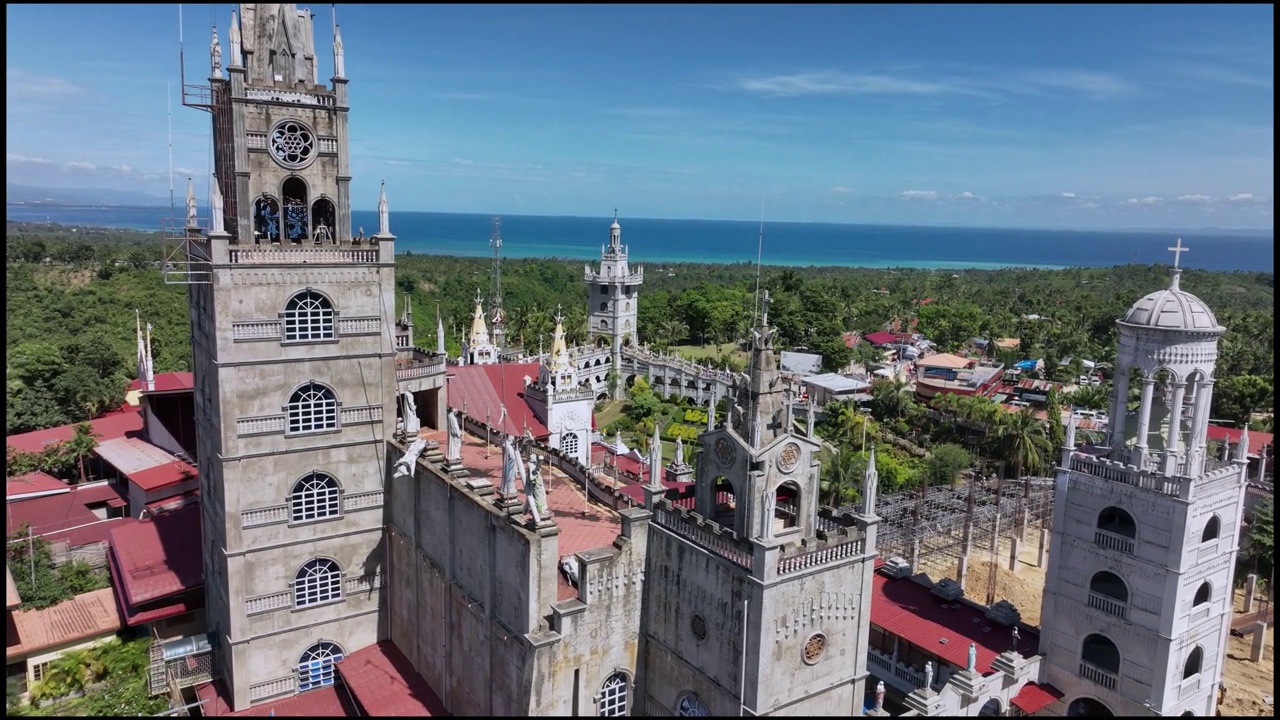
(40, 583)
(1022, 441)
(1260, 549)
(945, 463)
(1057, 435)
(1240, 396)
(889, 399)
(841, 475)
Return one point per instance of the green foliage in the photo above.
(1091, 397)
(1240, 396)
(63, 460)
(945, 463)
(113, 677)
(1259, 551)
(675, 430)
(40, 583)
(696, 416)
(1055, 432)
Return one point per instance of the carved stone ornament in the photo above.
(789, 457)
(699, 626)
(724, 451)
(814, 647)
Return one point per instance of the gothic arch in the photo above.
(1088, 707)
(295, 208)
(784, 509)
(1212, 529)
(266, 218)
(1203, 595)
(1195, 660)
(324, 220)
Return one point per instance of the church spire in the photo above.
(215, 56)
(870, 481)
(479, 332)
(237, 52)
(439, 331)
(615, 235)
(339, 60)
(763, 421)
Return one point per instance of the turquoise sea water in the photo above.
(726, 241)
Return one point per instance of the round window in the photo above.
(293, 144)
(814, 647)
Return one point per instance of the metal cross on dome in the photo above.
(1177, 251)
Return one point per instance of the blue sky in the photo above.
(1049, 116)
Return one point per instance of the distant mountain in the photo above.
(79, 197)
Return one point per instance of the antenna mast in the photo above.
(173, 207)
(759, 254)
(495, 288)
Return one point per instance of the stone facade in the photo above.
(293, 363)
(1137, 602)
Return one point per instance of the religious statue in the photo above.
(973, 657)
(404, 466)
(453, 451)
(216, 208)
(535, 494)
(679, 462)
(411, 424)
(512, 469)
(322, 234)
(880, 696)
(191, 205)
(928, 675)
(215, 55)
(1015, 639)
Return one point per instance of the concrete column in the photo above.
(1044, 547)
(1173, 436)
(1250, 589)
(1119, 405)
(962, 569)
(1200, 422)
(1015, 545)
(1259, 642)
(1144, 412)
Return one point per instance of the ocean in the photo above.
(785, 243)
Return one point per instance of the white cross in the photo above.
(1177, 251)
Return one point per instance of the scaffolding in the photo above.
(185, 258)
(933, 528)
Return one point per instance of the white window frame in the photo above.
(309, 317)
(312, 407)
(316, 666)
(317, 582)
(315, 496)
(615, 696)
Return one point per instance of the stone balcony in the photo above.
(635, 277)
(414, 362)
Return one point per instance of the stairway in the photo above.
(158, 679)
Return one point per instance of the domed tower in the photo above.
(1137, 601)
(613, 302)
(564, 406)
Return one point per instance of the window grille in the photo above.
(316, 667)
(308, 316)
(314, 497)
(319, 581)
(614, 696)
(313, 407)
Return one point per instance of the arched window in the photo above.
(990, 708)
(296, 209)
(604, 324)
(604, 306)
(318, 581)
(1108, 593)
(266, 218)
(1211, 529)
(1116, 530)
(308, 316)
(315, 667)
(1203, 594)
(614, 695)
(1100, 660)
(569, 444)
(312, 407)
(691, 705)
(325, 219)
(1088, 707)
(1192, 668)
(314, 496)
(786, 508)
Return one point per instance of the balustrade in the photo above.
(1097, 675)
(272, 688)
(1112, 541)
(1108, 605)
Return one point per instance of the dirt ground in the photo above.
(1024, 588)
(1248, 682)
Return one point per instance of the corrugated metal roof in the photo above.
(486, 390)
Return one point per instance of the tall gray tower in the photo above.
(293, 347)
(612, 301)
(758, 598)
(1137, 601)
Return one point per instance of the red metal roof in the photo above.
(65, 516)
(486, 390)
(881, 338)
(105, 428)
(912, 612)
(384, 684)
(1232, 435)
(851, 339)
(187, 602)
(322, 702)
(159, 556)
(83, 617)
(601, 453)
(146, 465)
(1033, 698)
(33, 483)
(169, 382)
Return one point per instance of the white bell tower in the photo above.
(1137, 603)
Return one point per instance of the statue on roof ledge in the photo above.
(453, 451)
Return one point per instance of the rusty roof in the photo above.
(83, 617)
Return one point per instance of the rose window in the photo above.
(293, 144)
(814, 647)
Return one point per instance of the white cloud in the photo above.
(966, 195)
(1194, 199)
(21, 85)
(1068, 194)
(839, 83)
(919, 194)
(462, 161)
(841, 190)
(1245, 198)
(1149, 200)
(1082, 82)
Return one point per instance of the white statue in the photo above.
(215, 55)
(384, 216)
(928, 675)
(679, 452)
(191, 203)
(535, 495)
(453, 450)
(1015, 639)
(339, 58)
(216, 208)
(880, 696)
(411, 423)
(322, 234)
(404, 466)
(973, 657)
(512, 469)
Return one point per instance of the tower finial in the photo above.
(384, 213)
(215, 54)
(236, 51)
(1175, 271)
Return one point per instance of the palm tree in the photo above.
(841, 476)
(1022, 441)
(672, 331)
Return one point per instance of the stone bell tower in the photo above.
(613, 300)
(1137, 602)
(771, 611)
(293, 347)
